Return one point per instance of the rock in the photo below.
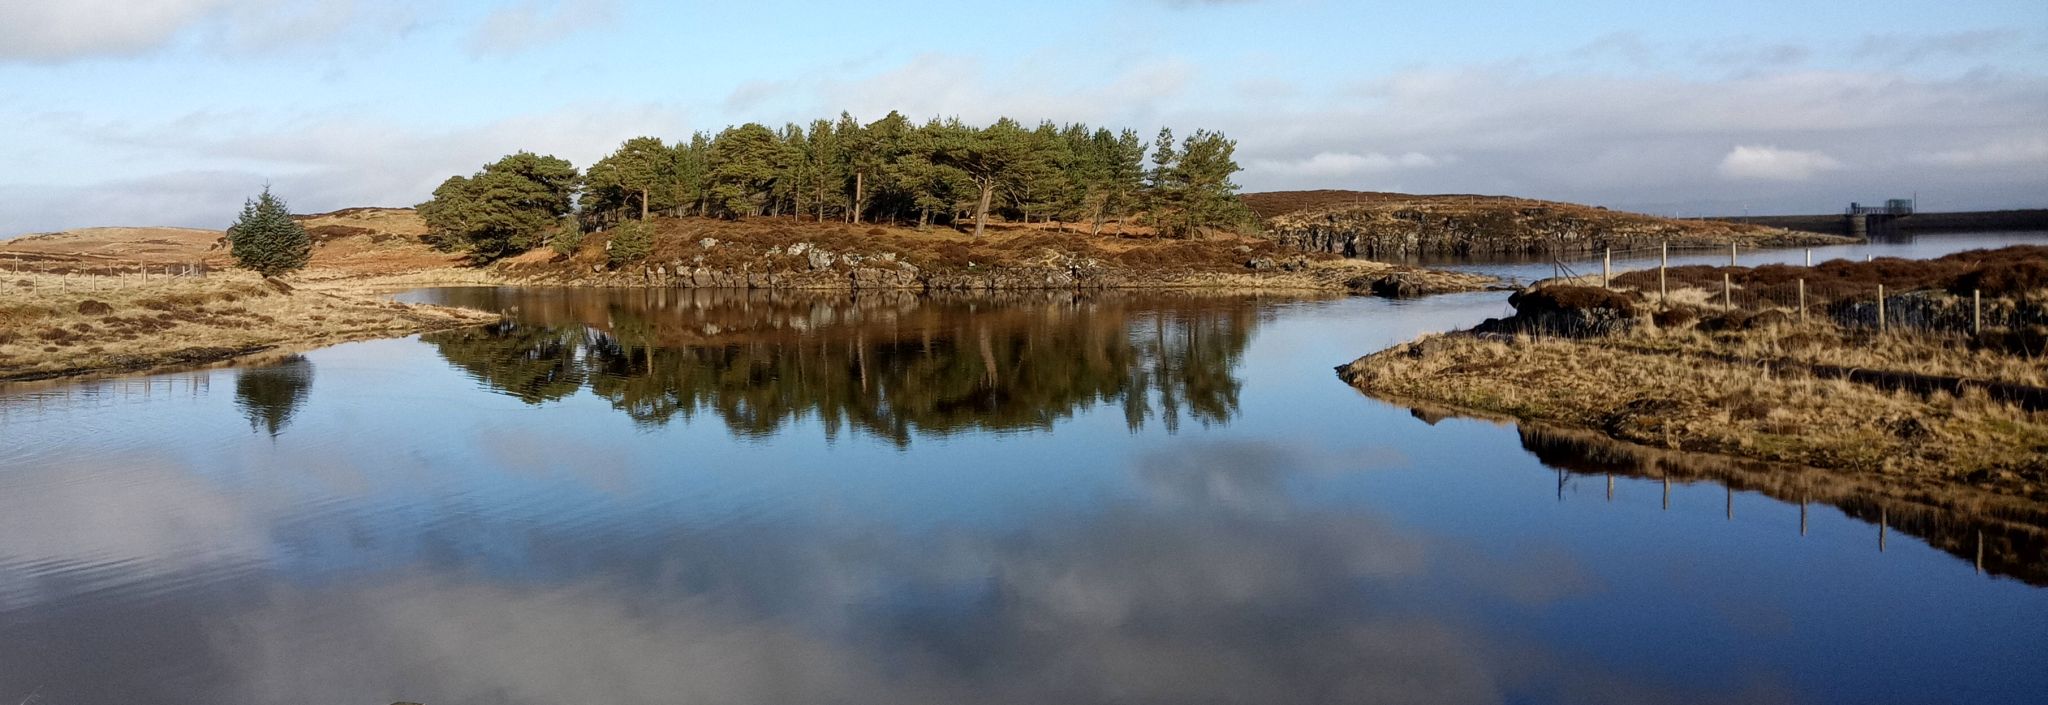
(1397, 286)
(820, 259)
(708, 243)
(1261, 263)
(1570, 311)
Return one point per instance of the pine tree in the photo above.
(1164, 186)
(630, 241)
(508, 207)
(1208, 197)
(266, 239)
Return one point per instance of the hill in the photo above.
(353, 241)
(1401, 226)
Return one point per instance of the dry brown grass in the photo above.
(1819, 343)
(1706, 403)
(2004, 271)
(54, 325)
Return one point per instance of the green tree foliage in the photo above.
(693, 174)
(506, 208)
(567, 238)
(266, 239)
(1209, 197)
(630, 242)
(890, 170)
(746, 163)
(640, 174)
(998, 157)
(1189, 186)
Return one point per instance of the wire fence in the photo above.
(1861, 301)
(39, 277)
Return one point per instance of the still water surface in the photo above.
(656, 497)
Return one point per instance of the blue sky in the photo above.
(172, 111)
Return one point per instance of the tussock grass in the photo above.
(1712, 393)
(55, 325)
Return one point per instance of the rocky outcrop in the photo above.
(807, 266)
(1568, 311)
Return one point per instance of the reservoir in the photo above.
(655, 496)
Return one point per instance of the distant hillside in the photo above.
(353, 240)
(1399, 226)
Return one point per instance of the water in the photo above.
(629, 497)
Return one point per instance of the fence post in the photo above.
(1880, 308)
(1663, 262)
(1731, 254)
(1977, 311)
(1809, 257)
(1802, 300)
(1606, 267)
(1727, 292)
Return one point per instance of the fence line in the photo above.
(1878, 306)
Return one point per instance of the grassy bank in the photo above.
(1911, 408)
(57, 326)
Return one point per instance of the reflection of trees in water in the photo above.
(2003, 539)
(270, 395)
(892, 368)
(531, 363)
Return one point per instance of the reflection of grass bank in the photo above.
(1917, 411)
(2002, 534)
(56, 326)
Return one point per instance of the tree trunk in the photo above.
(859, 194)
(643, 204)
(988, 193)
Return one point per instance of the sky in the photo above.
(172, 112)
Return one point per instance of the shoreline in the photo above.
(139, 325)
(1913, 447)
(55, 327)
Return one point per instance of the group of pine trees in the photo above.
(943, 172)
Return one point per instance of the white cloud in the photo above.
(524, 25)
(2010, 152)
(1906, 48)
(319, 162)
(1332, 165)
(64, 30)
(67, 29)
(1774, 164)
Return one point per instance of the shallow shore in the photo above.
(57, 326)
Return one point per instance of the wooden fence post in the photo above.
(1663, 263)
(1727, 291)
(1880, 308)
(1606, 267)
(1809, 257)
(1977, 311)
(1802, 300)
(1731, 254)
